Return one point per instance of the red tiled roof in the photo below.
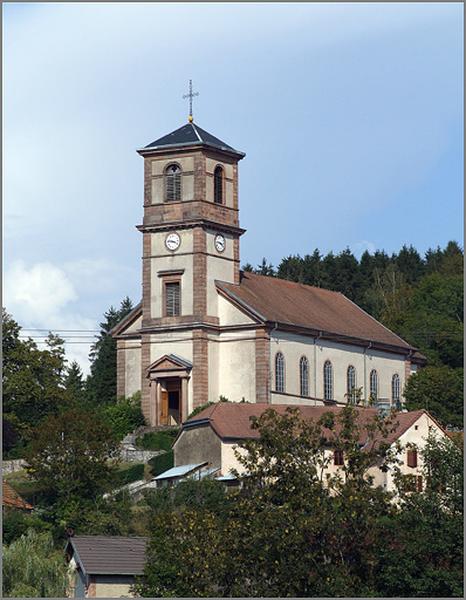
(12, 498)
(231, 420)
(296, 304)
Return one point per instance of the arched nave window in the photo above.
(396, 390)
(304, 376)
(351, 384)
(328, 380)
(374, 385)
(279, 372)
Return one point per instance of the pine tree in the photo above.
(101, 383)
(74, 384)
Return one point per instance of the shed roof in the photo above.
(179, 471)
(232, 420)
(109, 555)
(289, 303)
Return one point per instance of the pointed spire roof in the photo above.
(189, 135)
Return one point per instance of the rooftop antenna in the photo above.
(190, 95)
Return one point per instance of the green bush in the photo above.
(129, 474)
(163, 462)
(124, 416)
(157, 440)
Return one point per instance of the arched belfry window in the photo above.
(279, 372)
(374, 385)
(328, 380)
(396, 390)
(351, 384)
(218, 185)
(304, 376)
(172, 183)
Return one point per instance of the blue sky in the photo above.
(350, 116)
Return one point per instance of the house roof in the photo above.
(190, 135)
(109, 555)
(288, 303)
(10, 497)
(232, 420)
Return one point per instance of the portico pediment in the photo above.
(169, 363)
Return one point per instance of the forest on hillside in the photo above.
(418, 297)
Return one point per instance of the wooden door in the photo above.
(164, 407)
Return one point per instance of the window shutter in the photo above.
(172, 299)
(338, 457)
(218, 185)
(419, 483)
(411, 458)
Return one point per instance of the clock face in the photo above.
(219, 243)
(172, 241)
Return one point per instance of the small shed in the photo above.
(104, 566)
(191, 471)
(11, 498)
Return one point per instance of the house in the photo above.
(215, 433)
(205, 329)
(11, 498)
(104, 566)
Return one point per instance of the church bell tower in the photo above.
(190, 239)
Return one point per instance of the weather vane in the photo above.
(190, 95)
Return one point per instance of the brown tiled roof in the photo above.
(109, 555)
(10, 497)
(294, 304)
(232, 420)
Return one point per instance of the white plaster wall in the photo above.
(132, 367)
(134, 327)
(113, 590)
(166, 263)
(213, 380)
(229, 314)
(229, 460)
(158, 247)
(418, 437)
(341, 356)
(237, 365)
(222, 270)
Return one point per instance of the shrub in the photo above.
(157, 440)
(124, 416)
(129, 474)
(163, 462)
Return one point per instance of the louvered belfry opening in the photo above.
(218, 185)
(173, 183)
(172, 298)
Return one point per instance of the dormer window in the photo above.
(173, 183)
(218, 185)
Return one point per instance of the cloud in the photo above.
(360, 247)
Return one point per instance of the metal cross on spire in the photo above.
(190, 95)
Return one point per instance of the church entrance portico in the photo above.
(168, 377)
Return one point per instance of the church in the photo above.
(206, 331)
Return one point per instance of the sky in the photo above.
(350, 116)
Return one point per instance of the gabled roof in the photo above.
(296, 305)
(132, 316)
(189, 135)
(170, 361)
(109, 555)
(232, 420)
(11, 498)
